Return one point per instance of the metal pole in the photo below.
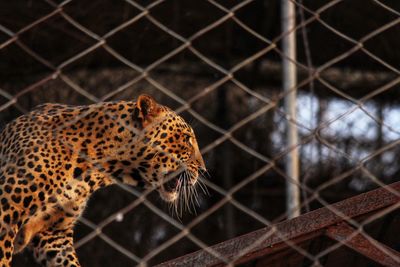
(289, 86)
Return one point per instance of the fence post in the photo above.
(289, 78)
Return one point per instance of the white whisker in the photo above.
(189, 194)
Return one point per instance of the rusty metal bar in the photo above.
(358, 242)
(308, 224)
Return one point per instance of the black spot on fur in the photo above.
(135, 174)
(77, 172)
(27, 201)
(117, 174)
(51, 254)
(149, 156)
(33, 209)
(16, 199)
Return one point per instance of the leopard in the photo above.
(56, 156)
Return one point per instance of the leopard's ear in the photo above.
(146, 109)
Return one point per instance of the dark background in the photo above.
(326, 155)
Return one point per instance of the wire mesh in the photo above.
(219, 63)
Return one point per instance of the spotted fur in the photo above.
(56, 156)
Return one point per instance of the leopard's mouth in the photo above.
(169, 189)
(177, 184)
(171, 185)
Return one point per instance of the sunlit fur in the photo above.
(56, 156)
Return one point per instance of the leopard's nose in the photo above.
(199, 160)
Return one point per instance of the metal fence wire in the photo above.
(219, 64)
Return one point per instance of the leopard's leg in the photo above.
(7, 235)
(55, 248)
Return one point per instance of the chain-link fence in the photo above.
(218, 63)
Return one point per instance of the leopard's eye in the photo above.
(187, 138)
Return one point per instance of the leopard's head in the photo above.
(168, 155)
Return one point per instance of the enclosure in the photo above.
(234, 70)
